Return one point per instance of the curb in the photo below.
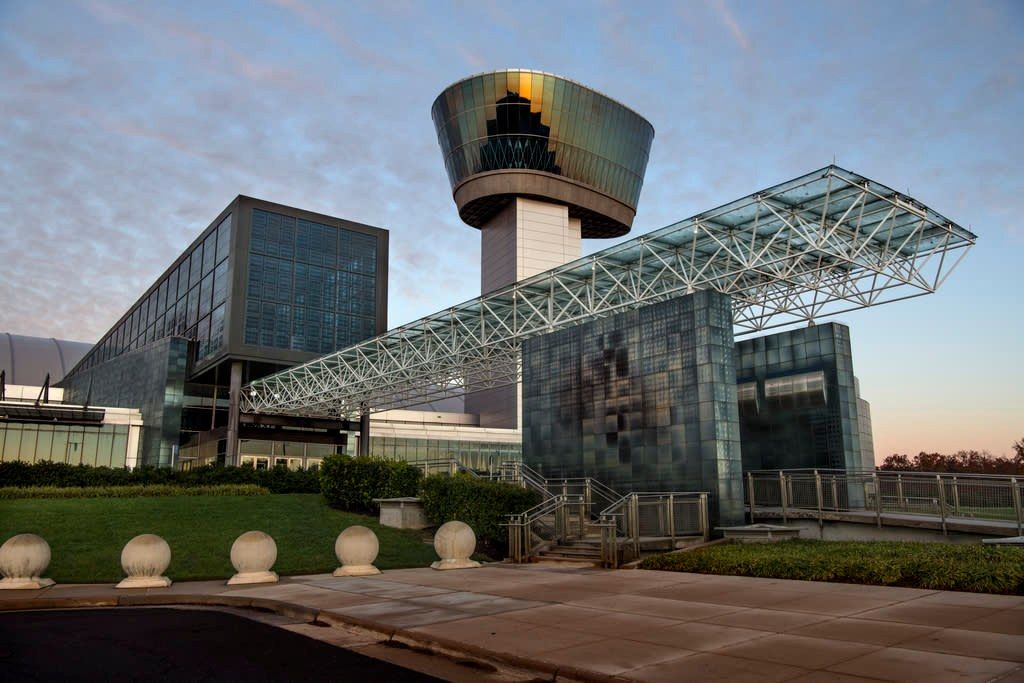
(437, 644)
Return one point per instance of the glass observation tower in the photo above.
(537, 162)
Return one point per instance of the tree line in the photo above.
(965, 462)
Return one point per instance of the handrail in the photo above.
(885, 473)
(626, 511)
(894, 494)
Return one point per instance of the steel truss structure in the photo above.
(825, 243)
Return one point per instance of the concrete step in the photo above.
(572, 552)
(552, 555)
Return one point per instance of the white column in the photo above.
(526, 238)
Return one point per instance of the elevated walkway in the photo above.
(985, 505)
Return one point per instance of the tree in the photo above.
(963, 462)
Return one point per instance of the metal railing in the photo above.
(636, 516)
(449, 466)
(550, 522)
(596, 495)
(945, 497)
(584, 507)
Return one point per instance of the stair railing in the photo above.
(669, 514)
(550, 522)
(449, 466)
(597, 495)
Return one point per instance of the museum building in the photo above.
(648, 396)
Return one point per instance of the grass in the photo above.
(86, 534)
(938, 566)
(132, 491)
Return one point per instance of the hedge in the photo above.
(134, 491)
(935, 566)
(351, 484)
(276, 480)
(480, 503)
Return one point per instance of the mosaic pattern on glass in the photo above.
(644, 401)
(801, 402)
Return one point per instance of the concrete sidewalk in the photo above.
(592, 624)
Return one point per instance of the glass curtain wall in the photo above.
(189, 301)
(311, 287)
(73, 444)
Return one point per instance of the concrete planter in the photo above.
(402, 513)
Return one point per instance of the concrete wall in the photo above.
(849, 531)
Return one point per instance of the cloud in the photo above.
(128, 127)
(730, 21)
(325, 23)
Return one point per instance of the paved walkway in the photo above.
(640, 625)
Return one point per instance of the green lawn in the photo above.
(86, 535)
(938, 566)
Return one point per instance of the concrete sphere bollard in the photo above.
(22, 559)
(454, 543)
(144, 559)
(252, 555)
(356, 549)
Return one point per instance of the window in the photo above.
(807, 389)
(321, 278)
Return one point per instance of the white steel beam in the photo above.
(825, 243)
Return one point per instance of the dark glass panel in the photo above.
(209, 252)
(206, 295)
(220, 283)
(224, 238)
(195, 266)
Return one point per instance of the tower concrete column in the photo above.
(525, 238)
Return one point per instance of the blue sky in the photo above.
(128, 126)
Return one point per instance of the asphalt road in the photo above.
(172, 645)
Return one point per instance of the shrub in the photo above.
(276, 480)
(134, 491)
(935, 566)
(480, 503)
(352, 483)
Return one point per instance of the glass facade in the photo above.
(188, 301)
(105, 445)
(152, 380)
(477, 455)
(311, 287)
(645, 400)
(800, 407)
(261, 454)
(541, 122)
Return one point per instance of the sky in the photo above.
(127, 127)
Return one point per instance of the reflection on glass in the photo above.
(523, 119)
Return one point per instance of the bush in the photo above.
(352, 483)
(936, 566)
(134, 491)
(276, 480)
(482, 504)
